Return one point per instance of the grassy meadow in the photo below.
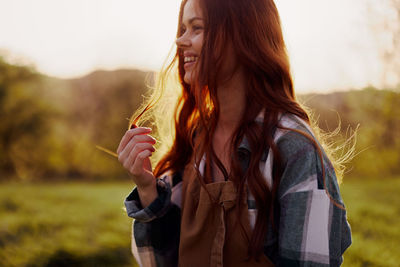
(65, 224)
(84, 224)
(374, 215)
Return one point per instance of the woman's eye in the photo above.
(196, 28)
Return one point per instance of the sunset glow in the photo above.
(330, 44)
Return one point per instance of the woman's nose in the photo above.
(182, 41)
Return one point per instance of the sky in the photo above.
(330, 43)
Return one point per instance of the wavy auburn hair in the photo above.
(253, 28)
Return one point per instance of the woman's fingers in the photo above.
(137, 167)
(137, 140)
(128, 156)
(134, 150)
(130, 134)
(143, 138)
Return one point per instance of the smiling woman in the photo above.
(245, 181)
(192, 38)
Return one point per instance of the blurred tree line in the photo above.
(50, 127)
(377, 112)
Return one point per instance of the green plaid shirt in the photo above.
(312, 230)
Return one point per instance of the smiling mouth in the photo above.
(189, 60)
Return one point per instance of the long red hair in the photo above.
(254, 29)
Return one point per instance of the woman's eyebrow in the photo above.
(193, 19)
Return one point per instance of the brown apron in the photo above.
(210, 234)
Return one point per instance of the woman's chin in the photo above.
(188, 78)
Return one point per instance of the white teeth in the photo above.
(189, 59)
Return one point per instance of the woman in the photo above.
(245, 182)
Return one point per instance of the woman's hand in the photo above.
(134, 153)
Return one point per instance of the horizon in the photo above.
(297, 92)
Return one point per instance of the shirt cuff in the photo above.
(156, 209)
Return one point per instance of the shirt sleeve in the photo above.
(313, 229)
(156, 228)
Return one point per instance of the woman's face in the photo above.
(191, 40)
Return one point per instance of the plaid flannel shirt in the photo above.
(312, 231)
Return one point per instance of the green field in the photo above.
(69, 224)
(84, 224)
(374, 215)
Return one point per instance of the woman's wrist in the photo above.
(147, 194)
